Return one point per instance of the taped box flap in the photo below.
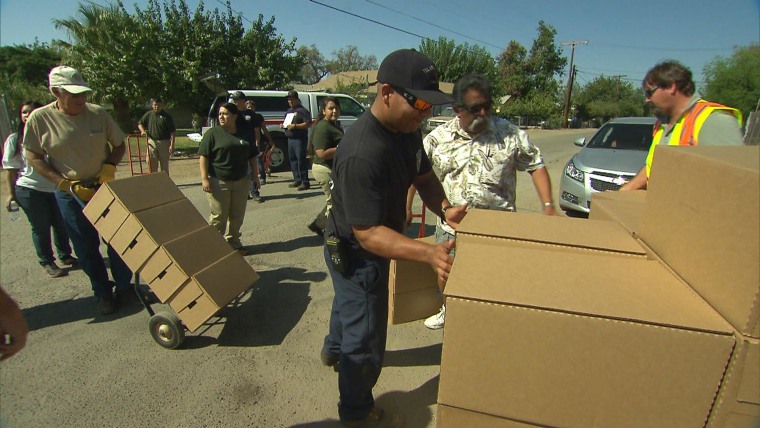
(626, 288)
(563, 231)
(144, 191)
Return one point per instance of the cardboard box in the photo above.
(738, 402)
(115, 200)
(702, 220)
(144, 231)
(413, 290)
(582, 331)
(551, 233)
(212, 288)
(172, 265)
(452, 417)
(625, 208)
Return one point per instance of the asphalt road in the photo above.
(255, 365)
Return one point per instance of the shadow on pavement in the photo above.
(63, 312)
(277, 302)
(426, 356)
(411, 407)
(285, 246)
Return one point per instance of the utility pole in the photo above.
(617, 88)
(570, 78)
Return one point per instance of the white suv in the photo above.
(273, 105)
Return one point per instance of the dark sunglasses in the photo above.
(416, 103)
(649, 92)
(477, 108)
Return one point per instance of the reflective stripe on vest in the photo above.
(686, 130)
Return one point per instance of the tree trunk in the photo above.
(121, 115)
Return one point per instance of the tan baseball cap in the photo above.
(68, 79)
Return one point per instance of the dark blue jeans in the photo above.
(358, 332)
(42, 211)
(299, 165)
(86, 243)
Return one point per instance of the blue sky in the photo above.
(625, 38)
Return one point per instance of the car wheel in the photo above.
(279, 161)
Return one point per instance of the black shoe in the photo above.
(375, 418)
(316, 229)
(69, 261)
(304, 186)
(294, 184)
(250, 196)
(106, 305)
(127, 297)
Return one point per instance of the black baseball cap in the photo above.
(414, 72)
(238, 95)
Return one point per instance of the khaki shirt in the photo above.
(76, 146)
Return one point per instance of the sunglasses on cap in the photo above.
(416, 103)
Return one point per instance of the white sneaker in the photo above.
(436, 321)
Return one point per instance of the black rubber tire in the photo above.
(167, 330)
(280, 161)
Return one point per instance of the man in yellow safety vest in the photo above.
(685, 118)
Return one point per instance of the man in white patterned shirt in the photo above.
(476, 157)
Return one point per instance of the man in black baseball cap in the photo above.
(238, 96)
(377, 160)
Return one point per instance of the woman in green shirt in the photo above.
(325, 137)
(224, 160)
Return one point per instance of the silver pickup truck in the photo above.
(273, 105)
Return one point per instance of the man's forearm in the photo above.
(117, 153)
(637, 182)
(40, 166)
(387, 243)
(431, 192)
(543, 185)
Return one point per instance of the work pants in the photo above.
(299, 164)
(42, 211)
(358, 331)
(228, 201)
(86, 242)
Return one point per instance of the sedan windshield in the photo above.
(622, 136)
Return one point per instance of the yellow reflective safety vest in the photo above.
(686, 130)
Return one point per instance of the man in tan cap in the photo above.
(71, 141)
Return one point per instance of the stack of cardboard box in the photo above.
(650, 320)
(160, 234)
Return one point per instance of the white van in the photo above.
(273, 105)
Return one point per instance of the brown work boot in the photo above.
(53, 270)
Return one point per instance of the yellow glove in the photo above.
(82, 192)
(107, 173)
(64, 185)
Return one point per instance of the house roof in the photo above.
(365, 77)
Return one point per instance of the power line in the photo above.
(367, 19)
(433, 24)
(665, 49)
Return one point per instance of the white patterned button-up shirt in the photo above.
(481, 171)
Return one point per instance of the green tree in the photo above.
(166, 48)
(109, 51)
(607, 97)
(530, 77)
(454, 61)
(23, 73)
(314, 67)
(735, 81)
(349, 59)
(28, 63)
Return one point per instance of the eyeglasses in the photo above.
(416, 103)
(477, 108)
(649, 92)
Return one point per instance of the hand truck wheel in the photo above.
(167, 329)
